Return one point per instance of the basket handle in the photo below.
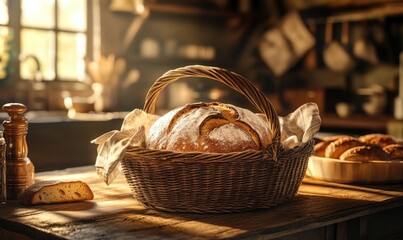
(231, 79)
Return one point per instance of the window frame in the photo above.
(15, 27)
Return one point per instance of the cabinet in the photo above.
(180, 33)
(373, 26)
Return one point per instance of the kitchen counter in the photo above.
(321, 210)
(356, 122)
(57, 141)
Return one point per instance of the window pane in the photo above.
(3, 12)
(38, 13)
(72, 15)
(4, 51)
(40, 44)
(71, 52)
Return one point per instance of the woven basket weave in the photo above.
(216, 182)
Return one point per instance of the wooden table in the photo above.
(320, 211)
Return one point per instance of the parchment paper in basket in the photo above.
(298, 127)
(112, 145)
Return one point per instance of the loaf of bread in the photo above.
(395, 151)
(320, 148)
(378, 139)
(339, 146)
(364, 153)
(209, 127)
(47, 192)
(321, 144)
(374, 146)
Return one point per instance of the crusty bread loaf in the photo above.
(209, 127)
(321, 144)
(378, 139)
(364, 153)
(47, 192)
(339, 146)
(320, 148)
(395, 151)
(374, 146)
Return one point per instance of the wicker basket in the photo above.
(216, 182)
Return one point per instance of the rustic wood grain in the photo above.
(115, 214)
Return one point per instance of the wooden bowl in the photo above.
(341, 171)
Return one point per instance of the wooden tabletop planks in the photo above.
(115, 214)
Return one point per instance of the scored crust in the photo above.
(209, 127)
(47, 192)
(374, 146)
(395, 151)
(364, 153)
(334, 137)
(339, 146)
(381, 140)
(321, 144)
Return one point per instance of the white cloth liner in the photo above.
(296, 128)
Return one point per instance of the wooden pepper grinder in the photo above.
(19, 169)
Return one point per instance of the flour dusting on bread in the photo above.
(209, 127)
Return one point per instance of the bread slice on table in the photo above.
(48, 192)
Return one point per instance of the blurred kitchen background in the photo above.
(81, 65)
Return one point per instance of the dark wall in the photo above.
(220, 31)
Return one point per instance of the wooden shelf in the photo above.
(190, 10)
(172, 61)
(368, 12)
(356, 122)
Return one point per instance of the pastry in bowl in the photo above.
(395, 151)
(364, 153)
(374, 146)
(378, 139)
(339, 146)
(209, 127)
(320, 148)
(322, 144)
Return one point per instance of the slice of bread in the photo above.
(47, 192)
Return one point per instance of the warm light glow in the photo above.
(215, 94)
(38, 13)
(71, 113)
(3, 12)
(139, 6)
(72, 14)
(68, 104)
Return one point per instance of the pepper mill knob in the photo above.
(18, 123)
(14, 108)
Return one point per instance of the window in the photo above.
(52, 37)
(4, 52)
(55, 32)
